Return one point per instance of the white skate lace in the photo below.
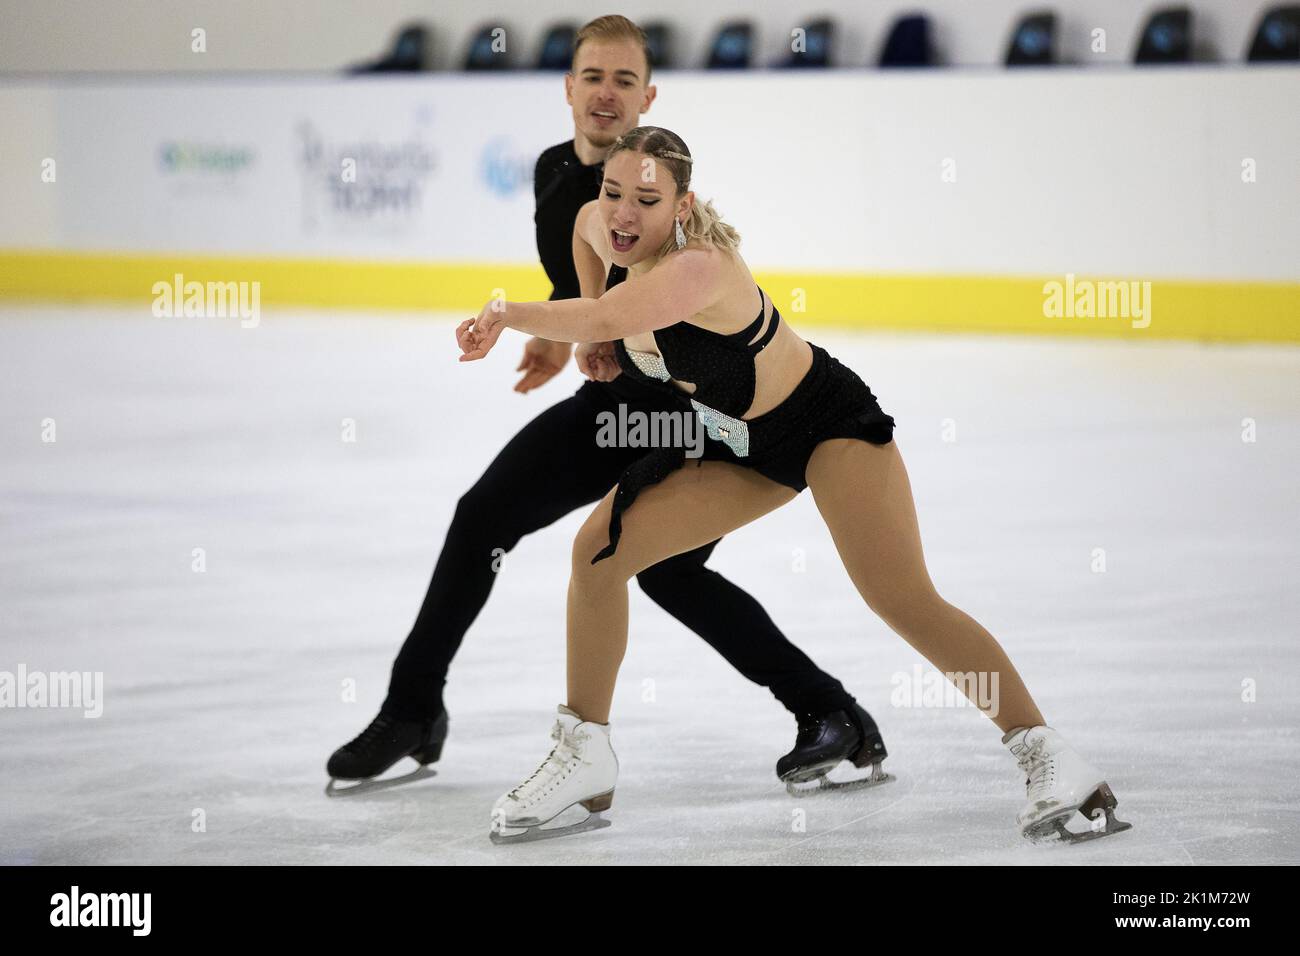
(559, 763)
(1039, 768)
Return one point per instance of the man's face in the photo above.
(607, 90)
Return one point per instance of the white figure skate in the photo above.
(1059, 782)
(578, 777)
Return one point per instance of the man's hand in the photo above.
(597, 361)
(542, 360)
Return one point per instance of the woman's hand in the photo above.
(477, 336)
(597, 361)
(542, 360)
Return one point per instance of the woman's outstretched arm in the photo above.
(679, 287)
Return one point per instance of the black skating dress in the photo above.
(830, 401)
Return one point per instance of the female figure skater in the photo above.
(781, 415)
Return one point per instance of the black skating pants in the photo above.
(550, 468)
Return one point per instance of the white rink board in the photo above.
(1108, 172)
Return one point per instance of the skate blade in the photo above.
(502, 837)
(371, 785)
(1098, 810)
(805, 784)
(1045, 831)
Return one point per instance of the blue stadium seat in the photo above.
(1278, 36)
(908, 43)
(481, 55)
(1167, 37)
(410, 53)
(557, 47)
(659, 37)
(733, 47)
(817, 37)
(1033, 42)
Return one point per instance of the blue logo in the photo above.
(505, 171)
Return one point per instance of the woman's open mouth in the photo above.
(622, 241)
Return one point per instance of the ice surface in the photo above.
(223, 690)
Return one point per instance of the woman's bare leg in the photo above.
(689, 508)
(864, 495)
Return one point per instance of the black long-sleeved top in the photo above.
(561, 186)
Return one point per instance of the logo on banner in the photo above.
(210, 159)
(369, 184)
(203, 169)
(505, 169)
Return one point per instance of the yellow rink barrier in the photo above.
(1128, 306)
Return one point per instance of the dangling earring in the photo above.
(681, 235)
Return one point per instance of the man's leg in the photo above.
(548, 469)
(737, 627)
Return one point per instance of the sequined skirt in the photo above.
(830, 401)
